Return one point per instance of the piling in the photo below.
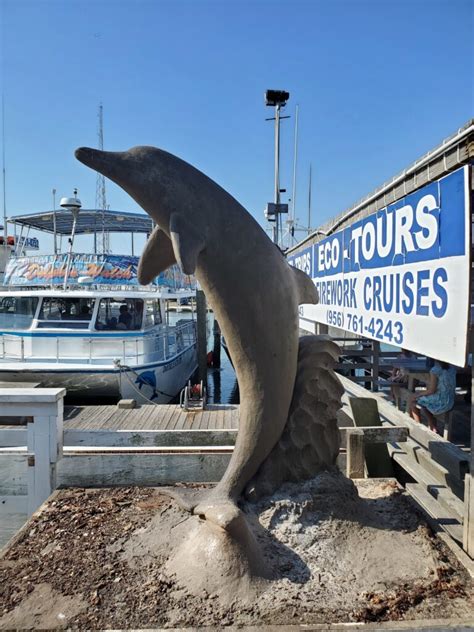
(375, 365)
(201, 316)
(216, 352)
(468, 526)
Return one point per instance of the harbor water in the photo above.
(222, 387)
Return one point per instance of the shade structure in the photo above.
(89, 221)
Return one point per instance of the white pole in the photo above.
(5, 228)
(277, 171)
(295, 158)
(309, 199)
(54, 223)
(71, 245)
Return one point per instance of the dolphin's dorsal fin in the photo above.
(187, 241)
(307, 292)
(157, 256)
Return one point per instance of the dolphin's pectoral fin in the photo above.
(187, 241)
(307, 292)
(157, 256)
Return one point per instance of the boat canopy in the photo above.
(89, 221)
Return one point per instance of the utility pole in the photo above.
(276, 99)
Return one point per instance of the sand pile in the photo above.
(99, 559)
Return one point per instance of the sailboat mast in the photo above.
(309, 198)
(295, 159)
(4, 174)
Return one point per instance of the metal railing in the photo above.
(363, 361)
(159, 346)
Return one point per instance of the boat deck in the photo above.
(163, 417)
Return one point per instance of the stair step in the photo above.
(438, 516)
(440, 492)
(418, 463)
(410, 465)
(448, 500)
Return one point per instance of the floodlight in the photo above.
(276, 97)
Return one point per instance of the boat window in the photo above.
(153, 313)
(17, 312)
(116, 313)
(65, 313)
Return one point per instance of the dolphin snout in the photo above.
(87, 155)
(109, 163)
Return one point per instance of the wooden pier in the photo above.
(102, 446)
(170, 417)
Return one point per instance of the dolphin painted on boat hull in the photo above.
(253, 291)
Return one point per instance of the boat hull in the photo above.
(157, 383)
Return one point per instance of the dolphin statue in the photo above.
(250, 286)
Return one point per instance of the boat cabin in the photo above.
(83, 311)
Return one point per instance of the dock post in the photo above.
(216, 352)
(42, 410)
(201, 316)
(322, 329)
(355, 467)
(375, 365)
(468, 526)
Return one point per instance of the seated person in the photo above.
(66, 313)
(85, 313)
(438, 398)
(125, 317)
(399, 374)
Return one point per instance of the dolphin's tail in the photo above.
(310, 441)
(221, 510)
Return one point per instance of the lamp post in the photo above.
(276, 99)
(73, 205)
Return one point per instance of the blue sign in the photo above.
(400, 275)
(303, 261)
(27, 243)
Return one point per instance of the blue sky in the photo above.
(378, 84)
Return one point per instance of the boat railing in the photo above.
(169, 342)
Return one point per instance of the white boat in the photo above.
(83, 322)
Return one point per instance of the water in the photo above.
(222, 387)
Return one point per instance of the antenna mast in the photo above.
(292, 219)
(103, 245)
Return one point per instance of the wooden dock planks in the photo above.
(160, 417)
